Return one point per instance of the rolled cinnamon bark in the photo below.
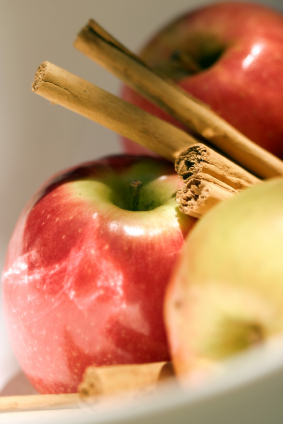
(110, 380)
(200, 159)
(97, 381)
(103, 48)
(199, 195)
(80, 96)
(32, 402)
(208, 179)
(192, 158)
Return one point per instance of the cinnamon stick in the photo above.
(32, 402)
(110, 380)
(199, 195)
(208, 179)
(200, 159)
(100, 46)
(80, 96)
(95, 28)
(97, 381)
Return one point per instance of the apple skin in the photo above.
(84, 279)
(226, 292)
(244, 83)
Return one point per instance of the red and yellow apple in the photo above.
(226, 292)
(86, 270)
(229, 55)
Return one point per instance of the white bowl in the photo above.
(247, 390)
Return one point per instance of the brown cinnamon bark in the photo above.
(110, 380)
(80, 96)
(199, 195)
(208, 179)
(97, 44)
(32, 402)
(97, 381)
(193, 158)
(201, 159)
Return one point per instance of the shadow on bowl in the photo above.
(17, 386)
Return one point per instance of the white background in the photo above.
(37, 139)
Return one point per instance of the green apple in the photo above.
(226, 293)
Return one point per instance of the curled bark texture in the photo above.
(100, 46)
(72, 92)
(109, 380)
(208, 178)
(201, 159)
(198, 195)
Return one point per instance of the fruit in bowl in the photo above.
(226, 293)
(228, 56)
(87, 266)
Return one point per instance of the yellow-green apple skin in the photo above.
(84, 276)
(238, 48)
(226, 292)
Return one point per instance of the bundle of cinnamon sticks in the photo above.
(210, 174)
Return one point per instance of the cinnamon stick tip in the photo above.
(91, 22)
(82, 34)
(39, 76)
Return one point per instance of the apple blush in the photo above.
(87, 267)
(228, 55)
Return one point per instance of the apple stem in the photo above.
(179, 65)
(185, 61)
(135, 188)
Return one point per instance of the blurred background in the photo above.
(37, 139)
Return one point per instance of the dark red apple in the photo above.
(86, 270)
(229, 55)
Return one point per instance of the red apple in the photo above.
(229, 55)
(85, 273)
(226, 293)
